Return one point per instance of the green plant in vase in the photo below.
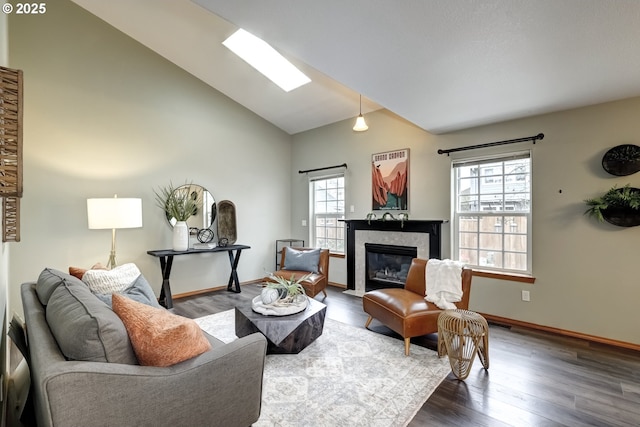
(179, 203)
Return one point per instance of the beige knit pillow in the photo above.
(109, 281)
(159, 338)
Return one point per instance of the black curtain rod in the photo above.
(344, 165)
(491, 144)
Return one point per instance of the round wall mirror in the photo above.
(205, 213)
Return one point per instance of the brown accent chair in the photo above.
(317, 282)
(404, 310)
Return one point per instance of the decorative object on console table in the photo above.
(205, 235)
(114, 213)
(622, 160)
(179, 204)
(180, 236)
(390, 180)
(618, 206)
(227, 222)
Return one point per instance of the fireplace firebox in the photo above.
(387, 265)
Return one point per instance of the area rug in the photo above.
(349, 376)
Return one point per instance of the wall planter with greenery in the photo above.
(622, 160)
(618, 206)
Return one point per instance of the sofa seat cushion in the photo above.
(399, 301)
(403, 311)
(159, 338)
(85, 328)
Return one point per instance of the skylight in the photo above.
(261, 56)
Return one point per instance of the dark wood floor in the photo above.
(534, 378)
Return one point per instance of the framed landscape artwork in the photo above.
(390, 180)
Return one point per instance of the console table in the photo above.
(166, 261)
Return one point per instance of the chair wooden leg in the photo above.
(366, 325)
(407, 343)
(324, 292)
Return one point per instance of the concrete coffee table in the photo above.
(285, 334)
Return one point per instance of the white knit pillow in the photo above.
(109, 281)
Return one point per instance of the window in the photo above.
(492, 212)
(327, 207)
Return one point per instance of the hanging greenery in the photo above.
(615, 202)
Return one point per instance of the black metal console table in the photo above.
(166, 261)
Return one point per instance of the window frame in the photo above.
(339, 227)
(506, 211)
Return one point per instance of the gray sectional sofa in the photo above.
(221, 387)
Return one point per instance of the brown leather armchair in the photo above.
(317, 282)
(404, 310)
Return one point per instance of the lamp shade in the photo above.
(360, 125)
(114, 213)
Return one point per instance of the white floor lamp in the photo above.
(114, 213)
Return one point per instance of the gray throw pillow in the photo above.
(49, 280)
(301, 260)
(85, 328)
(139, 291)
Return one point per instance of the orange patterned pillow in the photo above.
(159, 338)
(77, 272)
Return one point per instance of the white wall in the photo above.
(105, 115)
(585, 273)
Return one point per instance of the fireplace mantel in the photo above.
(432, 227)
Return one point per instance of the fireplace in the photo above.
(425, 235)
(387, 265)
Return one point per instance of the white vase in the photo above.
(180, 236)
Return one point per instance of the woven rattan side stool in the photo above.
(461, 335)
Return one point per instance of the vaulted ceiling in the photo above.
(443, 65)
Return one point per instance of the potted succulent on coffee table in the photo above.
(281, 296)
(618, 206)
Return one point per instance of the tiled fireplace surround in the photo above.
(423, 234)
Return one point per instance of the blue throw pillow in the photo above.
(139, 290)
(301, 260)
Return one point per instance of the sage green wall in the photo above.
(105, 115)
(585, 271)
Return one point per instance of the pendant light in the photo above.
(360, 125)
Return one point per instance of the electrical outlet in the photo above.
(526, 296)
(352, 209)
(304, 222)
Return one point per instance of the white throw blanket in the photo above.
(443, 282)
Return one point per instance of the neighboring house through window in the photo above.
(326, 208)
(492, 212)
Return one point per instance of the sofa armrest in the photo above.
(220, 387)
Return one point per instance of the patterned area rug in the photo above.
(349, 376)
